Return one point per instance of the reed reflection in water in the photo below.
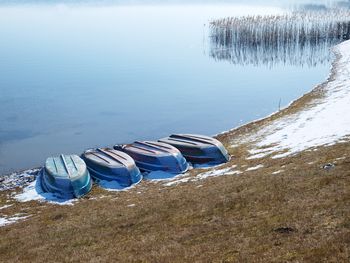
(299, 38)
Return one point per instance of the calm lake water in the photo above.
(79, 76)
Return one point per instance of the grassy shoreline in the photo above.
(289, 210)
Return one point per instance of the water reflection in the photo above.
(301, 38)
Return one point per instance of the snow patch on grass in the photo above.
(259, 153)
(34, 192)
(234, 172)
(220, 172)
(255, 167)
(5, 206)
(211, 173)
(341, 158)
(114, 186)
(325, 122)
(278, 172)
(175, 182)
(19, 179)
(4, 221)
(180, 178)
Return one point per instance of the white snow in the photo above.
(213, 172)
(5, 206)
(234, 172)
(4, 221)
(18, 179)
(178, 181)
(258, 153)
(255, 167)
(34, 192)
(220, 172)
(324, 122)
(180, 178)
(278, 172)
(341, 158)
(114, 186)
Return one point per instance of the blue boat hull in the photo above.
(163, 166)
(154, 156)
(106, 164)
(209, 155)
(198, 149)
(123, 180)
(65, 188)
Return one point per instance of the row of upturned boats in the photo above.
(70, 176)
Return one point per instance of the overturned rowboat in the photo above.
(198, 149)
(155, 156)
(112, 165)
(66, 176)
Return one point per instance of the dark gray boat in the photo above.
(112, 165)
(198, 149)
(66, 176)
(155, 156)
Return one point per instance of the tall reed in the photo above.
(297, 38)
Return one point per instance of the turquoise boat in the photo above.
(66, 176)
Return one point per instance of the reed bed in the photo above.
(297, 38)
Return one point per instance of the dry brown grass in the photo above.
(299, 215)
